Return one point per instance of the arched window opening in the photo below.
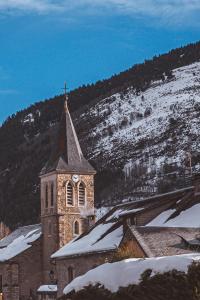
(46, 196)
(70, 274)
(69, 194)
(81, 194)
(52, 194)
(76, 228)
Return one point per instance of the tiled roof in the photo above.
(165, 241)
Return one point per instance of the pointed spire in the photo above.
(67, 155)
(66, 98)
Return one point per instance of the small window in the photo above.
(70, 274)
(46, 196)
(76, 228)
(133, 221)
(52, 194)
(69, 194)
(50, 228)
(81, 194)
(1, 285)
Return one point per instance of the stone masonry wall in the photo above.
(69, 214)
(80, 266)
(10, 281)
(58, 220)
(22, 275)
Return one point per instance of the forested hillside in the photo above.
(133, 127)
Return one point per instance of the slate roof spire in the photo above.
(67, 155)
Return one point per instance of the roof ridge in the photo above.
(155, 196)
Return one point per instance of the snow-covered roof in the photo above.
(50, 288)
(186, 218)
(108, 231)
(101, 238)
(130, 271)
(18, 241)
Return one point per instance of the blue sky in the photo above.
(45, 42)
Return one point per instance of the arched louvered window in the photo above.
(46, 196)
(52, 194)
(70, 274)
(69, 193)
(81, 194)
(76, 228)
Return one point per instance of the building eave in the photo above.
(84, 254)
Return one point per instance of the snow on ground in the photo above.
(18, 241)
(91, 242)
(47, 288)
(187, 218)
(109, 276)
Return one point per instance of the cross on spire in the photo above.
(67, 155)
(65, 90)
(66, 96)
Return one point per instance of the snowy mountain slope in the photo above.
(133, 126)
(175, 98)
(156, 127)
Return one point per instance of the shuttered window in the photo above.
(81, 194)
(52, 194)
(46, 196)
(69, 193)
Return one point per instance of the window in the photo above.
(76, 228)
(69, 194)
(50, 228)
(46, 196)
(133, 221)
(52, 194)
(81, 194)
(70, 274)
(1, 285)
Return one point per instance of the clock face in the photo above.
(75, 178)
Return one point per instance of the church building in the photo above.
(67, 193)
(67, 210)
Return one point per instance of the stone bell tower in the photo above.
(67, 192)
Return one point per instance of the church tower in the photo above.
(67, 192)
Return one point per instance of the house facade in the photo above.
(20, 263)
